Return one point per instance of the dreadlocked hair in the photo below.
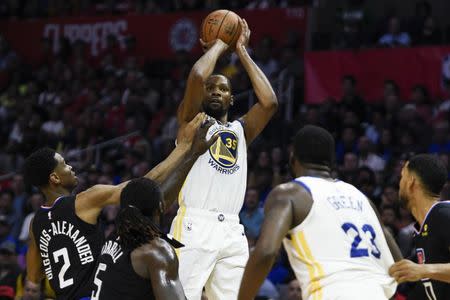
(135, 229)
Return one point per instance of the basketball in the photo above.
(221, 24)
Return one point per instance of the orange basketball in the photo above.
(221, 24)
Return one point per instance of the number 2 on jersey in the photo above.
(63, 283)
(351, 229)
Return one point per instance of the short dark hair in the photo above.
(139, 200)
(430, 170)
(38, 167)
(221, 75)
(315, 145)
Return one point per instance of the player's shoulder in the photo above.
(289, 190)
(441, 212)
(157, 252)
(294, 186)
(236, 124)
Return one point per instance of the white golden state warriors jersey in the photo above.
(218, 179)
(339, 251)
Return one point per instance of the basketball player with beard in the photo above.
(65, 237)
(207, 221)
(422, 180)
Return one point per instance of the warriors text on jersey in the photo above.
(68, 247)
(339, 251)
(432, 246)
(218, 179)
(115, 278)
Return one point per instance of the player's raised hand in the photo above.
(406, 270)
(242, 42)
(207, 45)
(200, 144)
(187, 133)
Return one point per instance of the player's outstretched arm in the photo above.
(162, 269)
(202, 69)
(34, 261)
(261, 113)
(172, 185)
(408, 271)
(89, 203)
(392, 244)
(278, 219)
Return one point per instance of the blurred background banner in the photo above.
(407, 66)
(157, 36)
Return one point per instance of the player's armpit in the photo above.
(35, 273)
(162, 268)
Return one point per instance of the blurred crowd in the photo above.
(70, 102)
(28, 9)
(357, 27)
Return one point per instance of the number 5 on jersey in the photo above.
(98, 282)
(352, 230)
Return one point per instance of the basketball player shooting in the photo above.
(207, 222)
(336, 245)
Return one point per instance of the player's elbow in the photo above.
(197, 73)
(266, 255)
(34, 277)
(272, 103)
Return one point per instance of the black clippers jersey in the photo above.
(432, 245)
(69, 248)
(115, 277)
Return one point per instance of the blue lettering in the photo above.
(345, 202)
(213, 164)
